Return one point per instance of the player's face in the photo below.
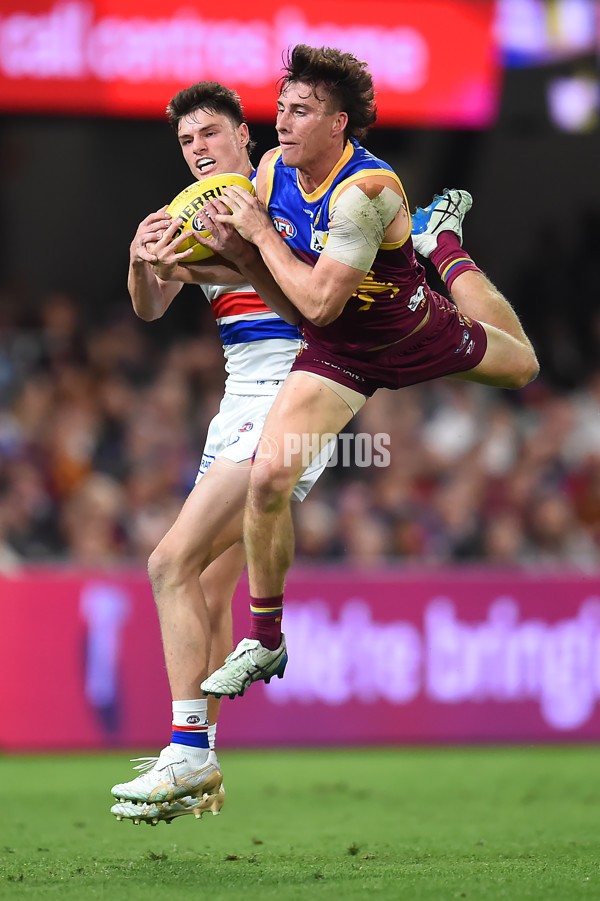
(307, 126)
(212, 144)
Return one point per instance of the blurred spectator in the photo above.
(316, 532)
(31, 514)
(102, 425)
(585, 490)
(10, 560)
(91, 522)
(555, 536)
(503, 540)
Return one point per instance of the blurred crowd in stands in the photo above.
(102, 425)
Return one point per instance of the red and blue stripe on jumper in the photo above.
(242, 317)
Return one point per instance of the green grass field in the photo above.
(475, 823)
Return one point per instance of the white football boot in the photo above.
(444, 214)
(170, 776)
(138, 812)
(249, 662)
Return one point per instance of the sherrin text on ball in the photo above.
(188, 203)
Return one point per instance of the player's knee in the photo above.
(160, 563)
(169, 564)
(270, 487)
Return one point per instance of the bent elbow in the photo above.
(147, 315)
(326, 313)
(319, 319)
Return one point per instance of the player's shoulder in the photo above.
(263, 171)
(371, 183)
(268, 156)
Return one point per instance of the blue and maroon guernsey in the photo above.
(392, 299)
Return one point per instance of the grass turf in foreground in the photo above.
(479, 823)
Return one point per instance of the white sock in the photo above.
(190, 725)
(212, 735)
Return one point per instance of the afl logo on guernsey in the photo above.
(465, 337)
(284, 227)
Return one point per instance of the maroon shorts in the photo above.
(449, 342)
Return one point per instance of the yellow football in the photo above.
(190, 201)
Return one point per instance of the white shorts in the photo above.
(233, 434)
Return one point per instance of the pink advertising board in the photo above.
(434, 62)
(376, 657)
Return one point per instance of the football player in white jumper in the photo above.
(196, 566)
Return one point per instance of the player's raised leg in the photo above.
(510, 360)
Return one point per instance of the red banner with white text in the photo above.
(434, 62)
(375, 658)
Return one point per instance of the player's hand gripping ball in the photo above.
(189, 202)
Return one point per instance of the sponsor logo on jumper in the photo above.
(206, 461)
(285, 227)
(247, 427)
(417, 300)
(465, 337)
(353, 375)
(318, 240)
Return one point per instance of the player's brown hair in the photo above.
(207, 95)
(346, 81)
